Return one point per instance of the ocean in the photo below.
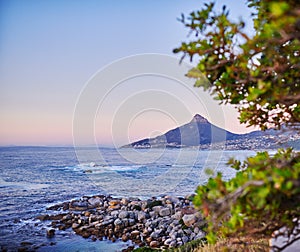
(34, 178)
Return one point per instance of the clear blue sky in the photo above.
(49, 49)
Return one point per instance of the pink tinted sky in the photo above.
(49, 50)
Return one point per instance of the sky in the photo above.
(53, 52)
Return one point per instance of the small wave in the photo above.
(94, 168)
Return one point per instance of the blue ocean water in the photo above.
(33, 178)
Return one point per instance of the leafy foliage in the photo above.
(263, 197)
(260, 74)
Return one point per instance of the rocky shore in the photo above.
(165, 222)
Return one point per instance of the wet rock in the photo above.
(95, 201)
(43, 217)
(25, 243)
(75, 225)
(78, 205)
(50, 233)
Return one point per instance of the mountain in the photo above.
(199, 132)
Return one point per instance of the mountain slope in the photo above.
(198, 132)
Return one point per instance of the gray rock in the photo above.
(189, 219)
(154, 244)
(179, 243)
(78, 205)
(164, 211)
(107, 222)
(131, 222)
(177, 215)
(141, 216)
(114, 213)
(153, 214)
(188, 231)
(125, 222)
(95, 201)
(173, 244)
(123, 214)
(180, 233)
(200, 235)
(155, 234)
(118, 222)
(168, 241)
(185, 239)
(174, 235)
(157, 209)
(192, 236)
(131, 215)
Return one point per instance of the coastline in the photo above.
(164, 222)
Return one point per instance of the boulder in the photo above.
(78, 205)
(189, 219)
(114, 202)
(178, 215)
(50, 233)
(157, 209)
(154, 244)
(75, 225)
(141, 216)
(95, 201)
(164, 211)
(123, 214)
(118, 222)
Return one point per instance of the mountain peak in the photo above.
(199, 119)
